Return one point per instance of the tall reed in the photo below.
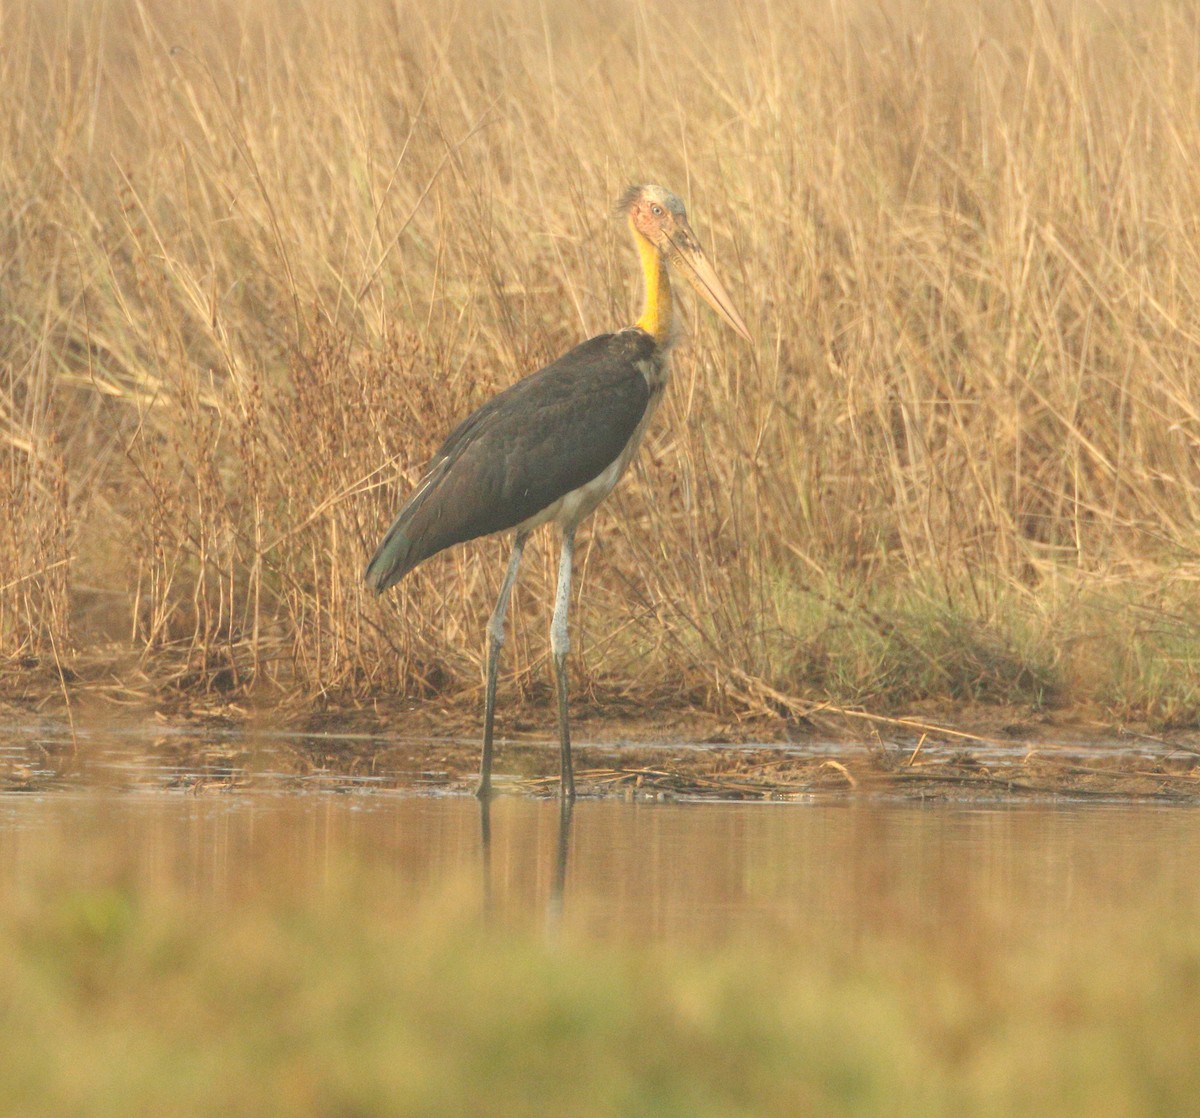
(257, 261)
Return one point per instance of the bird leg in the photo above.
(560, 645)
(495, 631)
(558, 885)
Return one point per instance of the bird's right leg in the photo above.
(495, 643)
(560, 645)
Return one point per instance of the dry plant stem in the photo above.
(768, 698)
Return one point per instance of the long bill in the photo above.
(689, 259)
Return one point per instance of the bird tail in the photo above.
(392, 560)
(401, 549)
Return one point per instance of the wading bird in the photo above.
(550, 448)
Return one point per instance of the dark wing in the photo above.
(520, 452)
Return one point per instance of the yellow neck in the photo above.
(656, 314)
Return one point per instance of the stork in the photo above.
(550, 448)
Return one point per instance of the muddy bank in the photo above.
(969, 754)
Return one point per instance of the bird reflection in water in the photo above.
(562, 851)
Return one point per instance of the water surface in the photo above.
(624, 871)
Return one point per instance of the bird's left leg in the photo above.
(495, 642)
(560, 645)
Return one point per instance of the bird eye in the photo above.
(656, 210)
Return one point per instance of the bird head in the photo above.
(658, 217)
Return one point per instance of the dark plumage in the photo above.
(521, 451)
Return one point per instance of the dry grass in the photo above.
(257, 262)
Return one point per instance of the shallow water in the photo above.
(615, 870)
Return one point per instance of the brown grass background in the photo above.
(256, 259)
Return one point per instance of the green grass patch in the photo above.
(888, 648)
(1127, 645)
(122, 1000)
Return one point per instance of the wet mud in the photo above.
(662, 756)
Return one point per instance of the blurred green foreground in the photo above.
(136, 980)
